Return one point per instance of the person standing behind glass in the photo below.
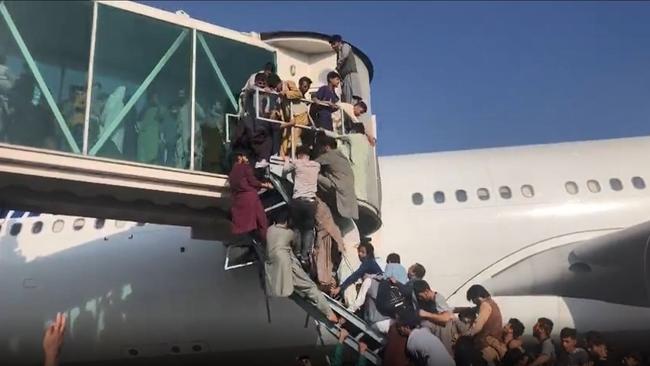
(149, 130)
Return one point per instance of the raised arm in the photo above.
(484, 312)
(292, 92)
(439, 318)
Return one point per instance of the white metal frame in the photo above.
(91, 74)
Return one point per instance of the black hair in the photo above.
(324, 140)
(546, 324)
(260, 76)
(465, 354)
(303, 150)
(635, 355)
(568, 333)
(281, 217)
(304, 79)
(393, 258)
(594, 338)
(332, 75)
(269, 67)
(407, 317)
(370, 250)
(335, 38)
(513, 357)
(476, 291)
(517, 327)
(419, 286)
(358, 128)
(273, 80)
(363, 105)
(419, 270)
(467, 313)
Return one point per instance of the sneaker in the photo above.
(261, 164)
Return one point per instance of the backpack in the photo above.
(390, 298)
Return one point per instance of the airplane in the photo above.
(556, 230)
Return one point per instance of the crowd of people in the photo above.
(312, 247)
(307, 254)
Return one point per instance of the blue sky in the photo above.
(463, 75)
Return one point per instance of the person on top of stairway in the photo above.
(247, 212)
(336, 180)
(283, 272)
(303, 202)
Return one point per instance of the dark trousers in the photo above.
(303, 214)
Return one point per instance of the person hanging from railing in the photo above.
(284, 274)
(298, 113)
(357, 149)
(336, 188)
(325, 100)
(251, 133)
(351, 114)
(328, 235)
(287, 91)
(248, 216)
(346, 66)
(303, 202)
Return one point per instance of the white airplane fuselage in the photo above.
(148, 290)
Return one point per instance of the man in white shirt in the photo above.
(303, 203)
(422, 347)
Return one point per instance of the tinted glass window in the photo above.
(15, 229)
(527, 190)
(417, 198)
(461, 195)
(638, 183)
(593, 186)
(37, 227)
(99, 223)
(483, 194)
(78, 224)
(571, 187)
(616, 184)
(57, 226)
(439, 197)
(505, 192)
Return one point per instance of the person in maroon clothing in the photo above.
(247, 212)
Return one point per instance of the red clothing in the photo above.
(247, 211)
(395, 350)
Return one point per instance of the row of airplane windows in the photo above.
(58, 226)
(528, 191)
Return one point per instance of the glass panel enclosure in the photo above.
(44, 50)
(140, 105)
(222, 68)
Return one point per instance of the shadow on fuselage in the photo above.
(149, 291)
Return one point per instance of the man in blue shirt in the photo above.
(368, 266)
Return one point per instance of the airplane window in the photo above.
(505, 192)
(461, 195)
(439, 197)
(78, 224)
(99, 223)
(57, 226)
(571, 187)
(593, 185)
(616, 184)
(119, 224)
(527, 190)
(638, 183)
(417, 198)
(483, 194)
(37, 227)
(15, 229)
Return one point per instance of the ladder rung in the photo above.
(354, 320)
(371, 355)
